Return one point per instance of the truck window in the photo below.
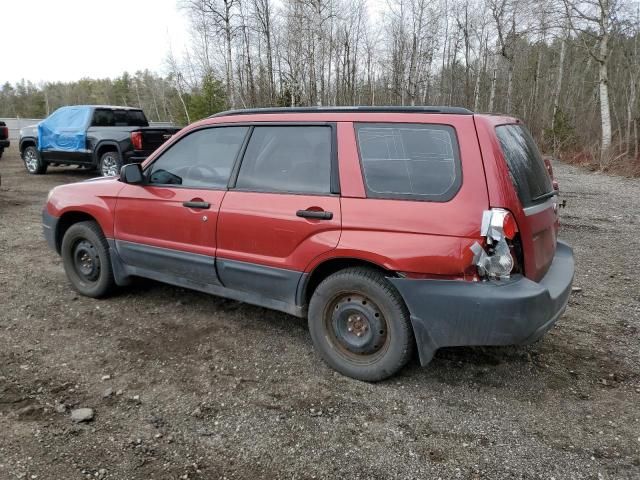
(109, 117)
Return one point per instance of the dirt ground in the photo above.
(186, 385)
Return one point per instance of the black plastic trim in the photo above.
(271, 282)
(517, 311)
(49, 229)
(24, 140)
(199, 269)
(123, 272)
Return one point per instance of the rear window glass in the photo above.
(414, 161)
(106, 117)
(528, 173)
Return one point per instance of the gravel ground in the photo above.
(185, 385)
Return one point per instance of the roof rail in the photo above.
(358, 109)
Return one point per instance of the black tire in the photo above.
(110, 164)
(361, 301)
(33, 162)
(86, 260)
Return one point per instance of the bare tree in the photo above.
(592, 21)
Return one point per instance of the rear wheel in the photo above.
(86, 260)
(110, 164)
(33, 162)
(360, 325)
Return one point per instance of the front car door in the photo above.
(282, 211)
(166, 228)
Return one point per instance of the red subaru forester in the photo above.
(390, 228)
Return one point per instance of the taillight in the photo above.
(509, 226)
(136, 140)
(500, 229)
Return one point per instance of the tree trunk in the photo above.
(492, 95)
(556, 96)
(605, 112)
(476, 89)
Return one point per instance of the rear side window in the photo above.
(412, 161)
(528, 173)
(295, 159)
(108, 117)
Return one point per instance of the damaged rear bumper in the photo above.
(447, 313)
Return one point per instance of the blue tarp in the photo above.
(65, 129)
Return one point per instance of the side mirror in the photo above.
(131, 174)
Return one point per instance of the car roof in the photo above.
(378, 114)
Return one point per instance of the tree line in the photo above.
(569, 68)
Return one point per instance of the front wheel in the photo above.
(86, 260)
(360, 325)
(33, 162)
(110, 164)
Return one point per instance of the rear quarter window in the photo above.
(409, 161)
(526, 166)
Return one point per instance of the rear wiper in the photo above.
(544, 196)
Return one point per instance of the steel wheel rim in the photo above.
(31, 160)
(86, 261)
(109, 166)
(356, 327)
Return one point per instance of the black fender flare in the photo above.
(103, 143)
(24, 140)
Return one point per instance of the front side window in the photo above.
(294, 159)
(202, 159)
(413, 161)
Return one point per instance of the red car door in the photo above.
(282, 212)
(166, 228)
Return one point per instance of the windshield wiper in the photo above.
(544, 196)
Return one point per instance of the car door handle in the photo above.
(317, 214)
(194, 204)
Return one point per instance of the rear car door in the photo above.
(166, 228)
(282, 211)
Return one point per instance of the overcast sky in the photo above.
(50, 40)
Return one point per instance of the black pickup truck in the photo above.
(92, 136)
(4, 137)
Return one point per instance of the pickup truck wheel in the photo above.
(86, 260)
(32, 161)
(360, 325)
(110, 164)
